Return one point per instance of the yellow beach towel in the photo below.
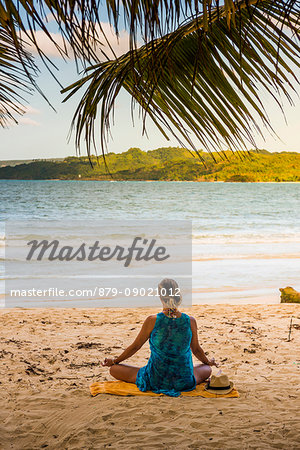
(123, 388)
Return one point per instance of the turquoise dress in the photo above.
(170, 366)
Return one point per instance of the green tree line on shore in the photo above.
(164, 164)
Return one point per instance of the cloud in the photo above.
(24, 119)
(47, 45)
(119, 45)
(28, 121)
(28, 109)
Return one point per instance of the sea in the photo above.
(245, 236)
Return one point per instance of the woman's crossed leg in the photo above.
(202, 372)
(125, 372)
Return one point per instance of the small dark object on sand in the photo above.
(290, 329)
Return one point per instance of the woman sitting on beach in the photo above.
(173, 337)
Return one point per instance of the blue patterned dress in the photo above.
(170, 366)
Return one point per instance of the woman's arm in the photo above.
(195, 346)
(140, 340)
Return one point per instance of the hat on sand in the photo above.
(219, 384)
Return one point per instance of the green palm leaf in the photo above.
(80, 26)
(16, 79)
(228, 51)
(197, 84)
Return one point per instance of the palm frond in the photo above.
(151, 74)
(16, 79)
(79, 23)
(205, 79)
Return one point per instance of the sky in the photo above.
(43, 132)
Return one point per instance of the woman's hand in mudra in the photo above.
(108, 362)
(212, 362)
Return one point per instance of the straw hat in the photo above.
(219, 384)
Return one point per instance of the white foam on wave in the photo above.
(264, 238)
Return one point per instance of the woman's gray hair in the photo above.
(169, 293)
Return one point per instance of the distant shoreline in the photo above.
(152, 181)
(162, 164)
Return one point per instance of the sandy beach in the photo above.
(49, 357)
